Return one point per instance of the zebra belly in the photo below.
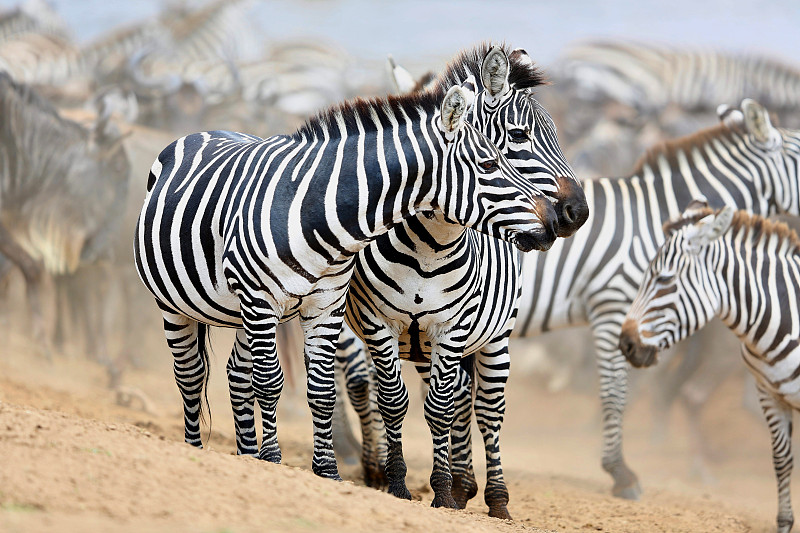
(477, 298)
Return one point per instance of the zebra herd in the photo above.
(396, 228)
(362, 215)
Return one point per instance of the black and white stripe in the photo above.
(244, 232)
(745, 270)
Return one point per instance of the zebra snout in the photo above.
(631, 347)
(571, 216)
(571, 206)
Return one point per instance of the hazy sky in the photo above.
(433, 29)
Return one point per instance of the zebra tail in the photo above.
(203, 348)
(415, 354)
(468, 365)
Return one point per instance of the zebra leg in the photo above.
(779, 420)
(492, 367)
(465, 484)
(613, 370)
(439, 414)
(321, 336)
(186, 339)
(393, 405)
(358, 372)
(240, 385)
(260, 323)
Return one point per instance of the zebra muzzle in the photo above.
(637, 354)
(531, 240)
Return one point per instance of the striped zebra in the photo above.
(243, 232)
(745, 270)
(650, 77)
(459, 288)
(592, 278)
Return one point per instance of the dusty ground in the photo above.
(73, 460)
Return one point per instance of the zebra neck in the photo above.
(377, 179)
(665, 186)
(435, 236)
(749, 276)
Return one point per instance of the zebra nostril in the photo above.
(569, 213)
(626, 346)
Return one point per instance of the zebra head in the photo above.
(772, 154)
(480, 187)
(677, 296)
(506, 112)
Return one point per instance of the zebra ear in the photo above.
(494, 73)
(457, 102)
(730, 116)
(403, 80)
(758, 124)
(710, 228)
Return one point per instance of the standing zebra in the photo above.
(745, 270)
(244, 232)
(460, 288)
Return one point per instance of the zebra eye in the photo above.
(518, 135)
(489, 166)
(665, 278)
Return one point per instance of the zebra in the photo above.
(618, 97)
(746, 270)
(459, 290)
(650, 78)
(243, 232)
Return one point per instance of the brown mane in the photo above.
(757, 226)
(670, 148)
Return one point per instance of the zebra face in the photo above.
(526, 134)
(482, 190)
(676, 297)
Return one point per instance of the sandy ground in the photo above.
(71, 459)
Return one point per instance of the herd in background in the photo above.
(191, 69)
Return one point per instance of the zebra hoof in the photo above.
(375, 477)
(631, 492)
(444, 500)
(500, 511)
(399, 490)
(464, 489)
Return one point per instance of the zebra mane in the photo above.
(351, 112)
(523, 75)
(670, 148)
(756, 226)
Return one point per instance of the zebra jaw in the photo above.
(527, 241)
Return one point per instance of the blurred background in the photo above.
(130, 77)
